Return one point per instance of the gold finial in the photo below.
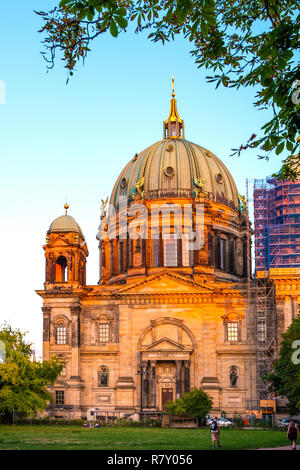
(173, 125)
(66, 206)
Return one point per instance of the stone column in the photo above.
(187, 376)
(145, 383)
(153, 385)
(178, 378)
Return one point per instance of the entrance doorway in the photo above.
(166, 395)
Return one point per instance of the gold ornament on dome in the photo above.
(242, 204)
(199, 187)
(169, 148)
(139, 189)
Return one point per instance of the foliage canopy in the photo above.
(243, 43)
(24, 382)
(285, 378)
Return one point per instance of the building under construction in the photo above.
(277, 268)
(277, 224)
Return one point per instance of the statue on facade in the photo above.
(102, 377)
(233, 377)
(199, 187)
(242, 204)
(103, 208)
(139, 189)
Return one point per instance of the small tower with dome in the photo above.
(65, 252)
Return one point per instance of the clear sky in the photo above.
(61, 141)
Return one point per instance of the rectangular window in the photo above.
(222, 253)
(61, 335)
(60, 397)
(111, 257)
(232, 331)
(186, 253)
(155, 251)
(103, 332)
(121, 248)
(170, 250)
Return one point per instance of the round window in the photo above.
(219, 178)
(123, 182)
(169, 171)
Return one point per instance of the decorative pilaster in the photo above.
(46, 332)
(178, 378)
(187, 376)
(153, 385)
(145, 383)
(75, 341)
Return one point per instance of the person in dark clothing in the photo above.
(215, 432)
(293, 433)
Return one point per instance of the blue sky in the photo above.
(61, 141)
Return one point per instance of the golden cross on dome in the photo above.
(173, 87)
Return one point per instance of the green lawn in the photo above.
(130, 438)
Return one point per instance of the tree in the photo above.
(23, 382)
(285, 378)
(243, 43)
(195, 403)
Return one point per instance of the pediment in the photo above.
(166, 282)
(165, 344)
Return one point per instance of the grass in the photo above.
(53, 437)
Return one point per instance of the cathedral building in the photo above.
(171, 310)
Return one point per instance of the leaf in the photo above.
(279, 148)
(122, 22)
(113, 28)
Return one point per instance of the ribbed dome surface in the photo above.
(65, 223)
(170, 167)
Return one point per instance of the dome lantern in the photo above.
(173, 125)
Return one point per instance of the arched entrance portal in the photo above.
(165, 363)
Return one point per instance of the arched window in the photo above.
(103, 376)
(221, 254)
(61, 334)
(61, 271)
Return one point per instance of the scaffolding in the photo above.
(277, 245)
(277, 224)
(266, 337)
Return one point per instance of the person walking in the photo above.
(215, 432)
(293, 433)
